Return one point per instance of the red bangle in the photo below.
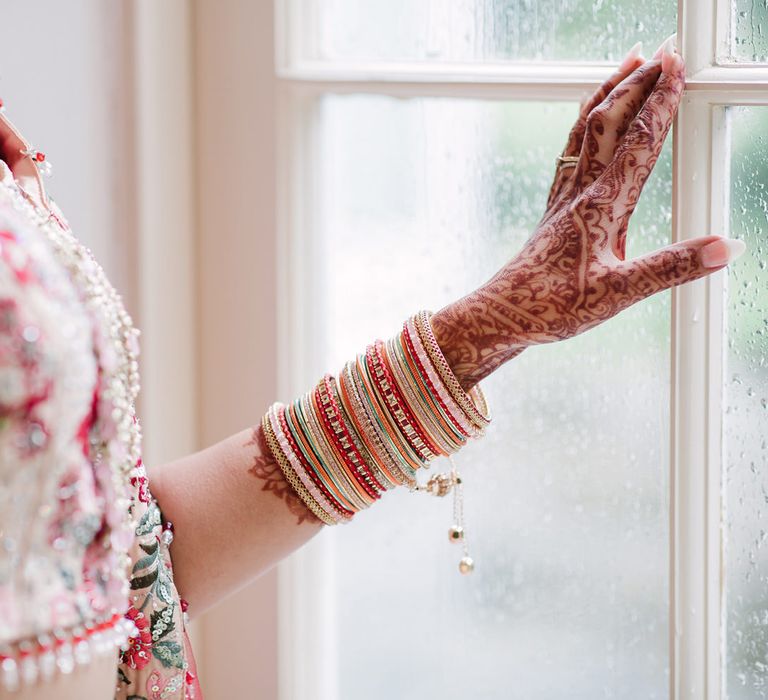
(413, 356)
(336, 430)
(308, 468)
(388, 388)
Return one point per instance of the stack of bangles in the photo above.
(389, 413)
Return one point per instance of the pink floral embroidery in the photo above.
(137, 656)
(140, 482)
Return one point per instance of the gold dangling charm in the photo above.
(456, 532)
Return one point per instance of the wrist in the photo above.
(471, 338)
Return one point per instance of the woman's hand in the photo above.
(572, 274)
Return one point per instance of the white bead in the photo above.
(65, 659)
(29, 670)
(9, 672)
(47, 664)
(466, 565)
(82, 653)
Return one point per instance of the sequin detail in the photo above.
(85, 567)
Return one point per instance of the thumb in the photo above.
(679, 263)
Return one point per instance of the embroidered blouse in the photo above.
(85, 566)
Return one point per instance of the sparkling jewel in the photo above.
(439, 484)
(456, 533)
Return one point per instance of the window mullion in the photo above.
(695, 632)
(697, 33)
(719, 204)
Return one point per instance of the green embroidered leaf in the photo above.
(138, 582)
(145, 562)
(169, 654)
(149, 520)
(150, 548)
(161, 623)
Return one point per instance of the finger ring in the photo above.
(567, 161)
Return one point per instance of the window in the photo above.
(745, 409)
(615, 507)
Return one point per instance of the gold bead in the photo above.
(466, 565)
(456, 533)
(439, 485)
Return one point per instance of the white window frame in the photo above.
(700, 175)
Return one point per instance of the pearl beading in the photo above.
(34, 660)
(114, 449)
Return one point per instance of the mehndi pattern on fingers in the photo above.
(571, 274)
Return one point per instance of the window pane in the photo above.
(749, 31)
(746, 413)
(567, 496)
(487, 30)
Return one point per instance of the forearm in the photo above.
(235, 512)
(234, 516)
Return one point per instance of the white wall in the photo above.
(158, 118)
(62, 78)
(237, 323)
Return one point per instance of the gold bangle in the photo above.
(348, 417)
(567, 161)
(377, 448)
(290, 475)
(479, 415)
(330, 462)
(423, 412)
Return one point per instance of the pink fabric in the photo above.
(61, 543)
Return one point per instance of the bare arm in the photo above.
(235, 516)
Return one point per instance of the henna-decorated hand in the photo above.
(572, 274)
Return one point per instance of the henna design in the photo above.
(265, 468)
(571, 274)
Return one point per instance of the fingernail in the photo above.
(722, 252)
(671, 61)
(631, 57)
(671, 38)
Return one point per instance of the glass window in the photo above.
(749, 31)
(746, 413)
(567, 496)
(486, 30)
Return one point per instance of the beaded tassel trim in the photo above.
(39, 659)
(114, 442)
